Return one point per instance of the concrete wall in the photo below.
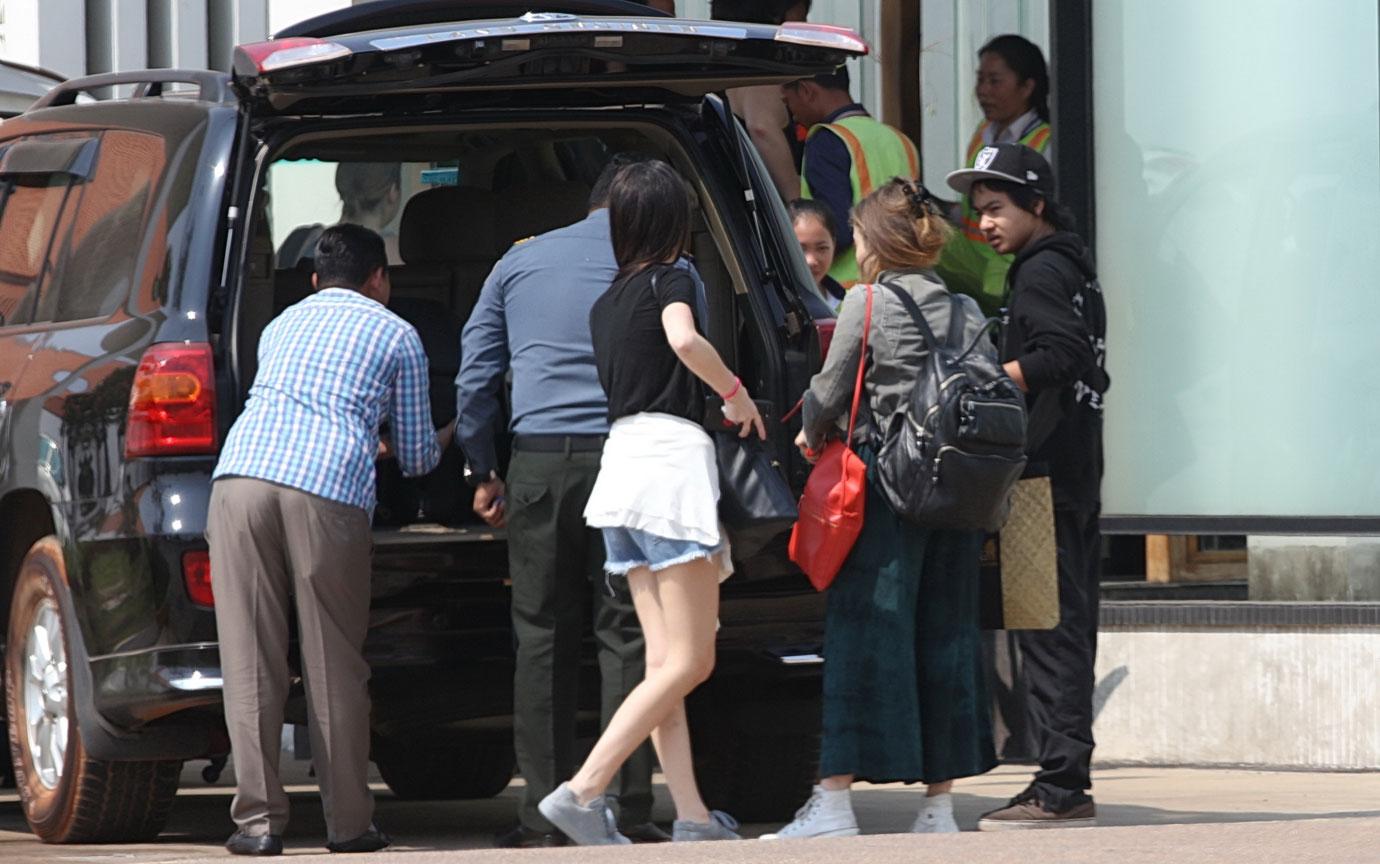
(1276, 697)
(1314, 568)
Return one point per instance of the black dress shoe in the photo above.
(370, 841)
(523, 837)
(241, 843)
(644, 832)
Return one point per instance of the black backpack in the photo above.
(950, 458)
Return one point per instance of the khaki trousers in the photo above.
(269, 542)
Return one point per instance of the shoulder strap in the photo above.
(862, 363)
(956, 321)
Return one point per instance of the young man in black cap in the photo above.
(1053, 346)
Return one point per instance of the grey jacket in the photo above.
(896, 348)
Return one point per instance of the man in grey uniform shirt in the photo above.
(533, 318)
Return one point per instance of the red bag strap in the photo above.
(862, 362)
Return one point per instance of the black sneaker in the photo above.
(644, 832)
(1026, 812)
(523, 837)
(241, 843)
(370, 841)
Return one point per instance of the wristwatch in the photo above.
(473, 478)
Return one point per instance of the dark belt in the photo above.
(558, 443)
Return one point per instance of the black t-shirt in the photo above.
(637, 367)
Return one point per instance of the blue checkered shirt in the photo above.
(331, 369)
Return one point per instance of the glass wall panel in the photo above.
(1238, 231)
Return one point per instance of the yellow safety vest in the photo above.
(879, 153)
(968, 264)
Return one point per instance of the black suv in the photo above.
(145, 243)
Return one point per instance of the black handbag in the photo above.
(756, 504)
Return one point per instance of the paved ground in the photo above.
(1147, 815)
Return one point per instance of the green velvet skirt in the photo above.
(905, 696)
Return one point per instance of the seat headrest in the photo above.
(540, 207)
(449, 225)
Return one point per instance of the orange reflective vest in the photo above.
(879, 153)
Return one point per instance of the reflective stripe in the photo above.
(855, 150)
(976, 144)
(1036, 140)
(912, 156)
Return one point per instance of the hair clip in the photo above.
(919, 198)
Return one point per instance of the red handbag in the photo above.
(831, 509)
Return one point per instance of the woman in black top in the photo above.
(656, 499)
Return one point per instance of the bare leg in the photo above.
(836, 783)
(687, 597)
(939, 788)
(672, 738)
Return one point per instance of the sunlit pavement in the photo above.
(1145, 815)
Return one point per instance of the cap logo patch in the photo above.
(985, 157)
(1032, 176)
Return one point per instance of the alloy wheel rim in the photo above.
(45, 694)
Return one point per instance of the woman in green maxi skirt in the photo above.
(904, 690)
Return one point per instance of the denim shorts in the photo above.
(627, 548)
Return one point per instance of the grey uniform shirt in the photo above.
(533, 317)
(896, 348)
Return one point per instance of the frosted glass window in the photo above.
(1238, 238)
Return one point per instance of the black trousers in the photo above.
(557, 566)
(1057, 666)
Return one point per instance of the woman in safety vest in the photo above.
(1013, 90)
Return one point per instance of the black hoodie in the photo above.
(1055, 325)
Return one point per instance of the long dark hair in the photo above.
(649, 215)
(1028, 62)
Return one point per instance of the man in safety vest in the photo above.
(847, 155)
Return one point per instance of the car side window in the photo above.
(105, 237)
(30, 210)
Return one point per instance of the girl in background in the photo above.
(814, 231)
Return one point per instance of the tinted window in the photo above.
(107, 231)
(29, 212)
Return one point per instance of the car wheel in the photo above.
(67, 796)
(755, 759)
(445, 772)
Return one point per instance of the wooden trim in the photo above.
(1177, 558)
(898, 49)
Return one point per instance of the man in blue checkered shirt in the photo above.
(290, 514)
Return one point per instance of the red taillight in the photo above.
(824, 332)
(172, 403)
(256, 58)
(196, 575)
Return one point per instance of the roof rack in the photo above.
(150, 83)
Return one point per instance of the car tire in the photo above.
(756, 759)
(67, 796)
(446, 772)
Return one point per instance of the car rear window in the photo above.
(30, 207)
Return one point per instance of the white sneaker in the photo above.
(826, 814)
(936, 817)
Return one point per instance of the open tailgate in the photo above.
(555, 58)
